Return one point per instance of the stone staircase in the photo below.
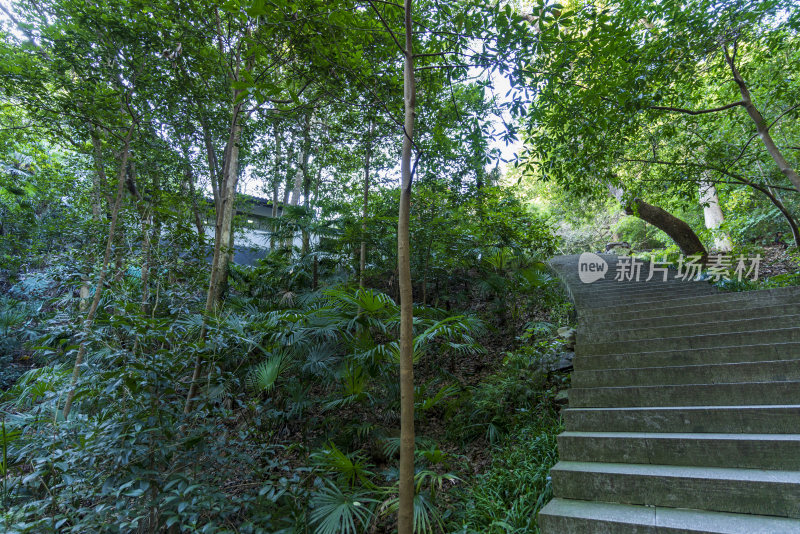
(684, 412)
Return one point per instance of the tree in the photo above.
(633, 94)
(405, 514)
(714, 217)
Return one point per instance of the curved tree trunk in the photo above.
(675, 228)
(680, 232)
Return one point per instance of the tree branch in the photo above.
(388, 29)
(699, 112)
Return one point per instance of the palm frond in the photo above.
(262, 376)
(336, 512)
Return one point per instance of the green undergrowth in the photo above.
(507, 498)
(295, 425)
(520, 403)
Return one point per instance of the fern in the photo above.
(349, 468)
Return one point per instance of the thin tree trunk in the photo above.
(101, 179)
(211, 155)
(291, 172)
(301, 177)
(223, 235)
(761, 125)
(98, 290)
(362, 262)
(99, 183)
(198, 218)
(275, 185)
(405, 511)
(147, 225)
(713, 216)
(306, 185)
(790, 220)
(425, 275)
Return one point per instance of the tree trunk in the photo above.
(302, 177)
(425, 275)
(276, 182)
(189, 179)
(714, 217)
(362, 261)
(782, 208)
(147, 253)
(788, 216)
(291, 172)
(223, 242)
(405, 511)
(675, 228)
(761, 125)
(100, 180)
(307, 189)
(98, 290)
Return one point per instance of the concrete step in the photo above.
(769, 371)
(722, 301)
(753, 419)
(718, 489)
(679, 342)
(742, 393)
(680, 357)
(632, 299)
(624, 290)
(684, 416)
(612, 287)
(566, 516)
(710, 325)
(751, 451)
(733, 314)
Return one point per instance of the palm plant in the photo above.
(337, 512)
(262, 377)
